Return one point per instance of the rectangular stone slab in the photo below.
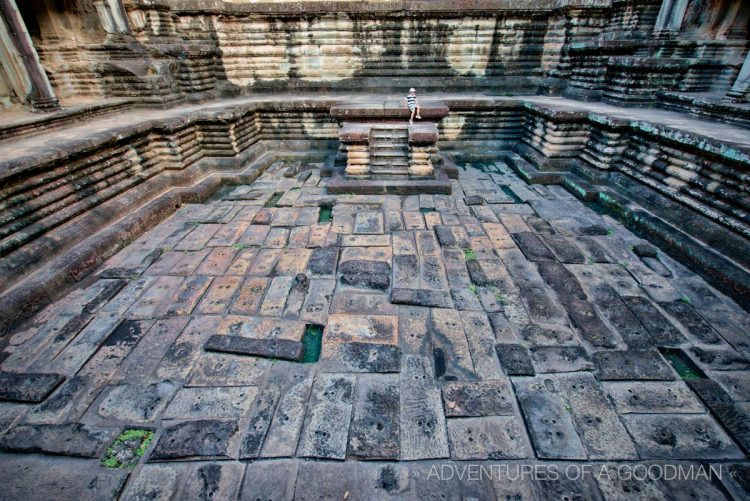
(283, 434)
(533, 248)
(211, 403)
(260, 418)
(28, 387)
(422, 423)
(374, 432)
(360, 357)
(653, 397)
(478, 398)
(74, 439)
(622, 365)
(284, 349)
(679, 436)
(515, 359)
(200, 439)
(451, 352)
(270, 479)
(550, 425)
(329, 412)
(422, 297)
(492, 437)
(662, 331)
(734, 418)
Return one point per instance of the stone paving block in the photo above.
(515, 359)
(145, 357)
(56, 478)
(223, 369)
(319, 234)
(117, 306)
(491, 437)
(110, 352)
(365, 274)
(679, 436)
(182, 354)
(299, 236)
(692, 322)
(594, 251)
(276, 296)
(76, 439)
(264, 216)
(362, 303)
(316, 305)
(285, 216)
(432, 273)
(601, 432)
(493, 397)
(563, 248)
(452, 236)
(254, 235)
(284, 431)
(323, 261)
(588, 322)
(374, 433)
(736, 383)
(561, 280)
(217, 261)
(455, 269)
(450, 348)
(640, 365)
(156, 299)
(292, 261)
(549, 423)
(276, 238)
(413, 220)
(625, 323)
(219, 295)
(422, 423)
(404, 243)
(346, 328)
(499, 236)
(212, 481)
(189, 262)
(329, 411)
(131, 403)
(406, 271)
(190, 440)
(250, 296)
(422, 297)
(211, 403)
(184, 299)
(368, 223)
(273, 479)
(228, 234)
(242, 260)
(427, 244)
(663, 333)
(488, 273)
(327, 480)
(360, 357)
(481, 341)
(260, 417)
(284, 349)
(413, 324)
(198, 238)
(652, 397)
(533, 248)
(65, 405)
(466, 299)
(28, 387)
(720, 359)
(544, 335)
(365, 240)
(733, 418)
(560, 359)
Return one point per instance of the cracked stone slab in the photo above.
(515, 359)
(365, 274)
(599, 427)
(284, 431)
(422, 422)
(28, 387)
(422, 297)
(200, 439)
(259, 419)
(491, 437)
(560, 359)
(53, 478)
(652, 397)
(374, 432)
(588, 322)
(74, 439)
(478, 398)
(532, 247)
(225, 369)
(625, 323)
(641, 365)
(450, 347)
(720, 359)
(549, 423)
(329, 412)
(345, 328)
(663, 333)
(211, 403)
(693, 323)
(542, 335)
(679, 436)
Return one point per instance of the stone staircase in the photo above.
(389, 151)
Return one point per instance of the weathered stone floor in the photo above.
(506, 326)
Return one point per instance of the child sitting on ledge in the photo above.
(413, 104)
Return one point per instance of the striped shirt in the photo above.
(411, 101)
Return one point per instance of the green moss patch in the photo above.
(128, 448)
(312, 342)
(469, 254)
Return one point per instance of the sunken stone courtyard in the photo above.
(231, 267)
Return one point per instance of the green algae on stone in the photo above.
(469, 254)
(326, 214)
(686, 368)
(128, 448)
(312, 342)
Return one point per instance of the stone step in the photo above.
(389, 153)
(381, 163)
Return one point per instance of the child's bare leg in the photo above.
(418, 113)
(411, 118)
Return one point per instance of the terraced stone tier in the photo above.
(524, 331)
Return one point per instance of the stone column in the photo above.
(671, 16)
(38, 91)
(740, 91)
(112, 15)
